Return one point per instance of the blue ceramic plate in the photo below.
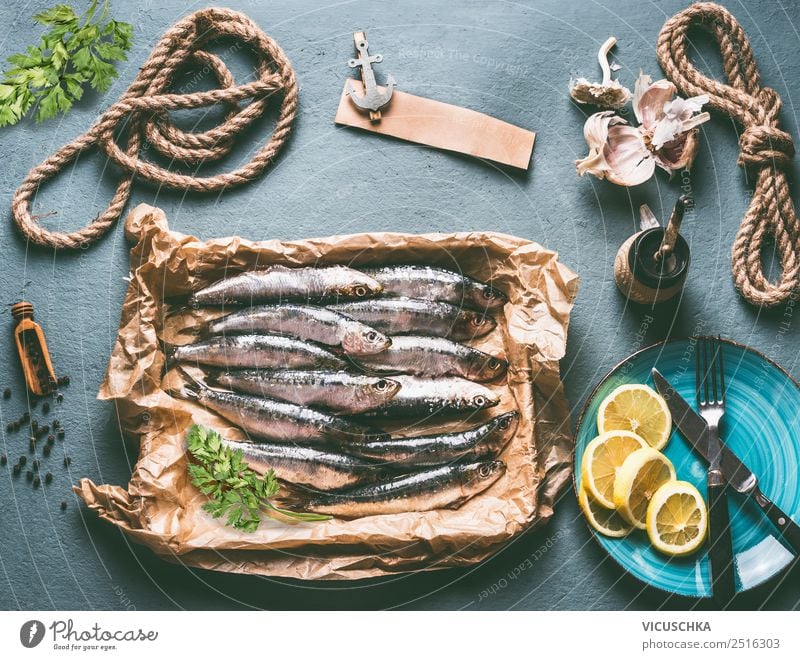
(763, 428)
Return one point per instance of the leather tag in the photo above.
(443, 126)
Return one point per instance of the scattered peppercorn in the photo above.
(16, 426)
(56, 424)
(60, 434)
(34, 426)
(3, 459)
(45, 407)
(23, 460)
(25, 418)
(16, 470)
(59, 397)
(67, 461)
(64, 380)
(10, 427)
(7, 393)
(29, 475)
(32, 445)
(35, 464)
(46, 450)
(50, 440)
(48, 478)
(36, 482)
(63, 505)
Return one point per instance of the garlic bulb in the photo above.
(608, 93)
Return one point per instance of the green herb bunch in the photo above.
(75, 51)
(233, 488)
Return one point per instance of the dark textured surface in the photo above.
(509, 59)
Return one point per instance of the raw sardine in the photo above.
(434, 356)
(306, 322)
(256, 351)
(277, 420)
(280, 284)
(445, 487)
(427, 396)
(335, 391)
(436, 284)
(402, 316)
(479, 443)
(306, 466)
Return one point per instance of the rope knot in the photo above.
(765, 145)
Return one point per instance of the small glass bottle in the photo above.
(651, 266)
(32, 348)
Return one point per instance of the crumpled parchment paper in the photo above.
(162, 510)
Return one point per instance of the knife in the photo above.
(737, 474)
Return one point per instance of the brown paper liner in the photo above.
(162, 510)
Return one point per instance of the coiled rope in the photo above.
(763, 146)
(145, 104)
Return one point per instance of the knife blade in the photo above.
(738, 475)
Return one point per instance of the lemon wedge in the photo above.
(639, 409)
(605, 521)
(602, 459)
(638, 478)
(677, 519)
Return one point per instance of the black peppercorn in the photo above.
(61, 434)
(25, 418)
(10, 427)
(36, 482)
(35, 464)
(45, 407)
(63, 505)
(50, 440)
(64, 380)
(3, 459)
(67, 461)
(16, 470)
(16, 426)
(32, 445)
(56, 424)
(59, 397)
(48, 478)
(29, 475)
(23, 460)
(46, 450)
(34, 426)
(7, 393)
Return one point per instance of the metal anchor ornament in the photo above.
(373, 99)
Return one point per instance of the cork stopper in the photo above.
(22, 310)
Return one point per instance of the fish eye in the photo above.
(479, 401)
(489, 293)
(478, 320)
(372, 336)
(360, 291)
(485, 470)
(382, 385)
(505, 423)
(494, 364)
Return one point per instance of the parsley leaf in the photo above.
(235, 491)
(75, 51)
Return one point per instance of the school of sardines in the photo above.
(314, 358)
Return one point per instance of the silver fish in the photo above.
(446, 487)
(306, 466)
(279, 284)
(478, 443)
(428, 396)
(277, 420)
(434, 356)
(402, 316)
(306, 322)
(256, 351)
(336, 391)
(437, 284)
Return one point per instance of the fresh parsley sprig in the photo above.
(233, 488)
(75, 51)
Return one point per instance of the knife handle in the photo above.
(789, 529)
(720, 548)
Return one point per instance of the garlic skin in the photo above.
(666, 136)
(608, 94)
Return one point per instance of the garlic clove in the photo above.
(649, 99)
(617, 151)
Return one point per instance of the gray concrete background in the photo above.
(508, 59)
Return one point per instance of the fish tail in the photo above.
(192, 387)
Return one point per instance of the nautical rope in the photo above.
(763, 146)
(143, 109)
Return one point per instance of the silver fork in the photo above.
(710, 384)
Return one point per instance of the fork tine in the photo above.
(721, 370)
(698, 369)
(703, 390)
(715, 398)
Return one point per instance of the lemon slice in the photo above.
(605, 521)
(638, 478)
(677, 519)
(639, 409)
(601, 461)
